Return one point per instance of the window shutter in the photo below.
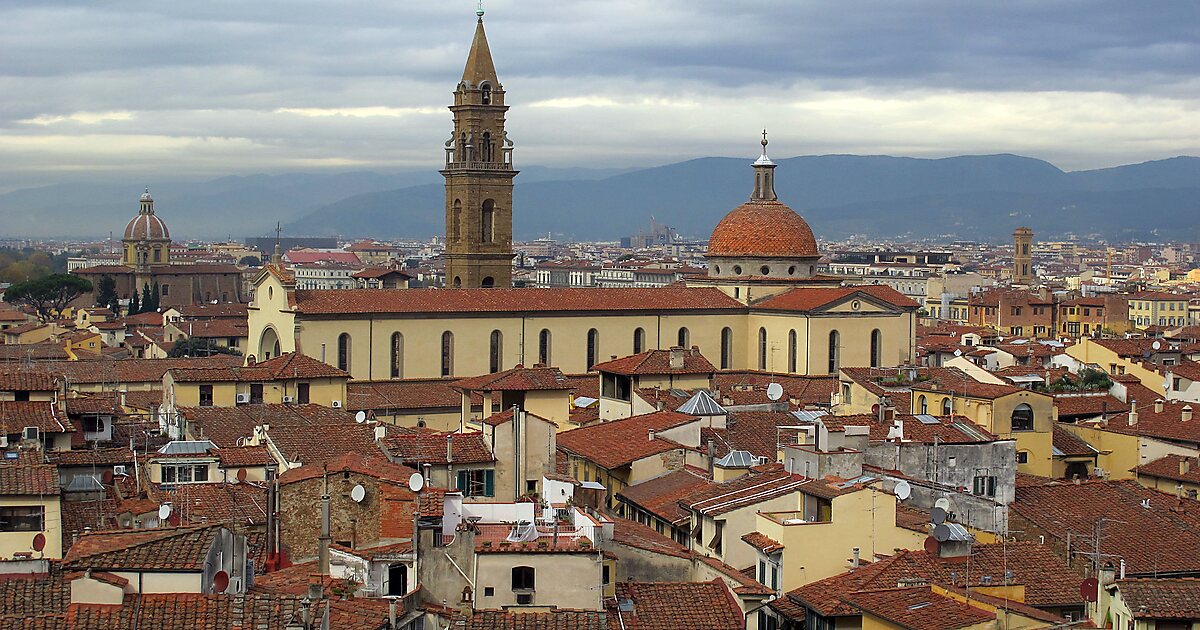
(489, 483)
(462, 481)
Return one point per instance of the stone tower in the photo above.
(1022, 256)
(479, 177)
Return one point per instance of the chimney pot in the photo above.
(650, 434)
(676, 358)
(1185, 466)
(1187, 413)
(1158, 406)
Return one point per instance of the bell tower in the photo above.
(479, 177)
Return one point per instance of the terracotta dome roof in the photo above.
(764, 229)
(146, 226)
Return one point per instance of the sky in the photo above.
(202, 89)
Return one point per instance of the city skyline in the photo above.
(228, 89)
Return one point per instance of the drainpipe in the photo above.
(323, 561)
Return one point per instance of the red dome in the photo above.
(146, 227)
(763, 229)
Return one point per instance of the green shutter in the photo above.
(462, 481)
(489, 483)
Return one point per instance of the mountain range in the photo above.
(966, 197)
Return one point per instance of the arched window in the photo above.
(487, 216)
(496, 351)
(726, 348)
(455, 221)
(457, 282)
(343, 352)
(835, 348)
(1022, 418)
(792, 351)
(397, 355)
(593, 345)
(876, 348)
(488, 282)
(922, 405)
(544, 347)
(639, 340)
(685, 337)
(947, 407)
(447, 353)
(762, 348)
(522, 579)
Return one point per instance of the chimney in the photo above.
(1158, 406)
(712, 452)
(1187, 413)
(380, 432)
(1185, 466)
(650, 433)
(450, 448)
(323, 556)
(854, 561)
(676, 358)
(1133, 414)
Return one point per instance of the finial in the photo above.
(764, 141)
(479, 10)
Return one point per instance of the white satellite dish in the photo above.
(1157, 345)
(774, 391)
(903, 490)
(358, 493)
(958, 353)
(416, 482)
(164, 511)
(943, 503)
(360, 417)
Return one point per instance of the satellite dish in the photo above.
(358, 493)
(39, 542)
(774, 391)
(903, 490)
(958, 353)
(416, 482)
(937, 515)
(107, 476)
(164, 511)
(360, 417)
(241, 474)
(942, 533)
(1157, 345)
(1089, 589)
(943, 503)
(931, 545)
(220, 581)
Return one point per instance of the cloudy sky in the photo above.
(197, 89)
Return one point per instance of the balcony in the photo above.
(479, 166)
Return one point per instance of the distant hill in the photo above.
(978, 197)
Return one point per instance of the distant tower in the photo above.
(1022, 256)
(479, 177)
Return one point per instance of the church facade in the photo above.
(146, 262)
(763, 304)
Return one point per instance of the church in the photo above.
(763, 305)
(146, 262)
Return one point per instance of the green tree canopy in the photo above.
(48, 295)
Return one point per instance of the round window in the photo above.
(856, 305)
(717, 269)
(270, 292)
(766, 271)
(792, 270)
(737, 270)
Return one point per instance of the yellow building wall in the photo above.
(812, 339)
(995, 415)
(1089, 352)
(14, 542)
(563, 580)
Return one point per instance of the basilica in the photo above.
(763, 305)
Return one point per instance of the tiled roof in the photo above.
(1173, 467)
(1166, 425)
(660, 496)
(224, 425)
(191, 611)
(1163, 538)
(755, 431)
(292, 365)
(92, 457)
(1162, 598)
(235, 310)
(241, 456)
(961, 384)
(765, 229)
(550, 620)
(34, 594)
(403, 394)
(946, 430)
(762, 542)
(519, 378)
(426, 447)
(745, 387)
(418, 301)
(16, 415)
(1088, 405)
(371, 466)
(104, 371)
(761, 484)
(1047, 579)
(503, 417)
(804, 299)
(242, 503)
(166, 549)
(673, 605)
(658, 362)
(28, 479)
(214, 328)
(614, 444)
(919, 609)
(27, 380)
(638, 536)
(1069, 445)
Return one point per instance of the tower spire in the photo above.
(480, 68)
(764, 175)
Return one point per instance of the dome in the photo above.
(763, 228)
(146, 227)
(146, 196)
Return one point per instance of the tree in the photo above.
(48, 295)
(147, 300)
(193, 347)
(135, 304)
(155, 298)
(106, 291)
(250, 261)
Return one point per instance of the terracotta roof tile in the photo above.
(1166, 425)
(402, 394)
(1173, 467)
(1088, 405)
(242, 456)
(804, 299)
(376, 466)
(658, 362)
(660, 496)
(416, 301)
(620, 442)
(125, 371)
(673, 605)
(745, 387)
(1071, 445)
(555, 619)
(22, 478)
(1177, 598)
(34, 594)
(16, 415)
(28, 380)
(919, 609)
(519, 378)
(242, 503)
(422, 447)
(171, 549)
(763, 228)
(762, 542)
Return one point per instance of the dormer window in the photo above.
(486, 93)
